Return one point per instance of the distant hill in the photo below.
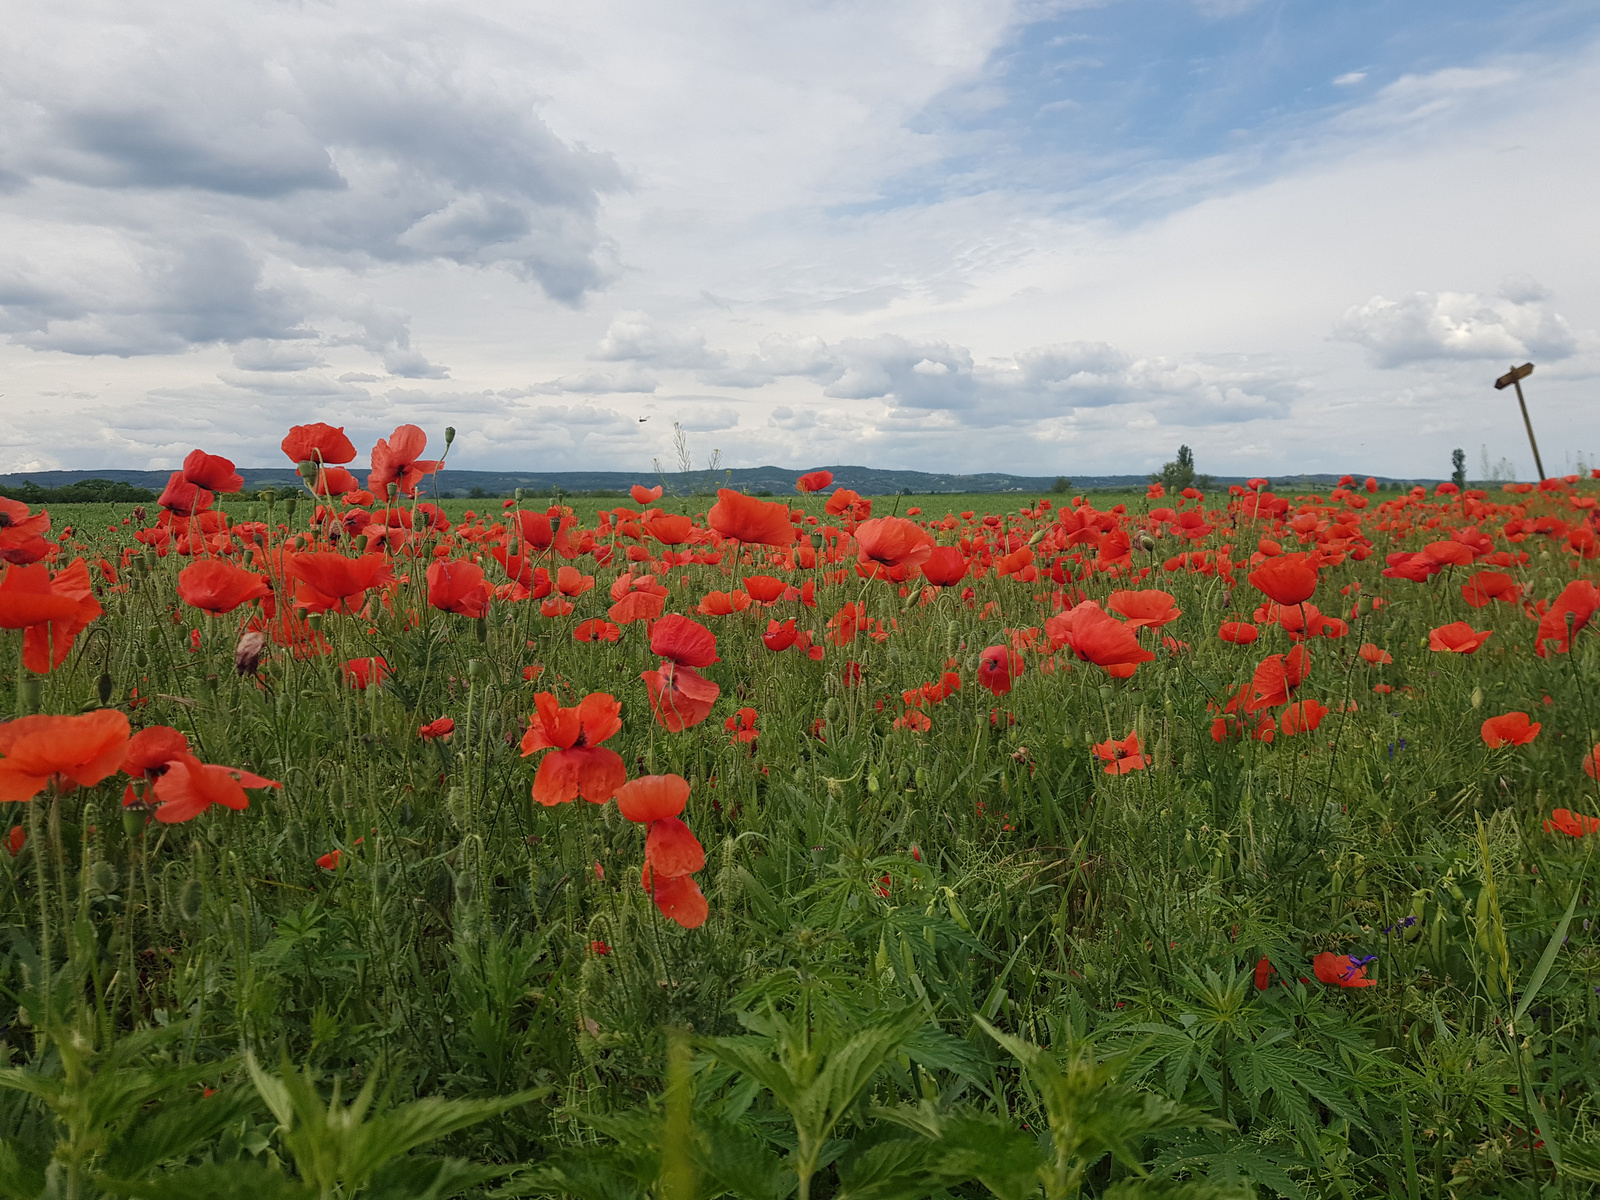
(869, 481)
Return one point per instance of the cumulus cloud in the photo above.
(634, 337)
(629, 379)
(1427, 326)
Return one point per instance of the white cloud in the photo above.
(1459, 325)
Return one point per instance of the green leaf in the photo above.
(255, 1180)
(1547, 959)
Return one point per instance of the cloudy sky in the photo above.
(954, 235)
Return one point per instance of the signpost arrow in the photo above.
(1514, 378)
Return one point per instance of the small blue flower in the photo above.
(1361, 962)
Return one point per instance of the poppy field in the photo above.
(1224, 844)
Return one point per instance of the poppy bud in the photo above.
(1146, 542)
(190, 900)
(290, 503)
(449, 434)
(872, 783)
(294, 838)
(1105, 693)
(1477, 697)
(103, 878)
(31, 693)
(481, 627)
(477, 670)
(1037, 537)
(382, 875)
(141, 657)
(152, 635)
(105, 687)
(394, 490)
(132, 822)
(307, 469)
(1364, 605)
(315, 621)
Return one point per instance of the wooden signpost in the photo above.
(1514, 378)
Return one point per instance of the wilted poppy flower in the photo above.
(1342, 970)
(1122, 757)
(596, 630)
(188, 787)
(742, 725)
(1240, 633)
(944, 566)
(652, 798)
(671, 849)
(1288, 579)
(1511, 729)
(746, 519)
(75, 749)
(398, 459)
(677, 896)
(579, 765)
(212, 472)
(1150, 607)
(1457, 637)
(683, 640)
(318, 443)
(1302, 716)
(680, 697)
(363, 673)
(437, 729)
(997, 666)
(1564, 820)
(813, 481)
(644, 495)
(1374, 655)
(215, 586)
(51, 609)
(336, 582)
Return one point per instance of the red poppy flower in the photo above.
(1302, 716)
(894, 546)
(1580, 598)
(1277, 677)
(638, 606)
(335, 481)
(437, 729)
(742, 725)
(746, 519)
(1240, 633)
(1457, 637)
(1124, 756)
(997, 666)
(579, 765)
(596, 630)
(843, 500)
(20, 540)
(363, 673)
(457, 586)
(212, 472)
(1342, 970)
(1486, 586)
(16, 840)
(150, 750)
(1150, 607)
(1097, 637)
(671, 849)
(1374, 655)
(779, 636)
(765, 588)
(331, 860)
(398, 459)
(572, 582)
(76, 749)
(678, 897)
(52, 609)
(680, 697)
(183, 497)
(188, 787)
(1510, 729)
(652, 798)
(1288, 579)
(670, 529)
(913, 719)
(1263, 973)
(318, 443)
(683, 640)
(335, 582)
(644, 495)
(813, 481)
(944, 566)
(215, 586)
(1563, 820)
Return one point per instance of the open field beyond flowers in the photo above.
(823, 846)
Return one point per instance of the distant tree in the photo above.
(1061, 485)
(477, 493)
(1458, 460)
(1177, 474)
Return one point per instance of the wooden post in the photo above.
(1514, 378)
